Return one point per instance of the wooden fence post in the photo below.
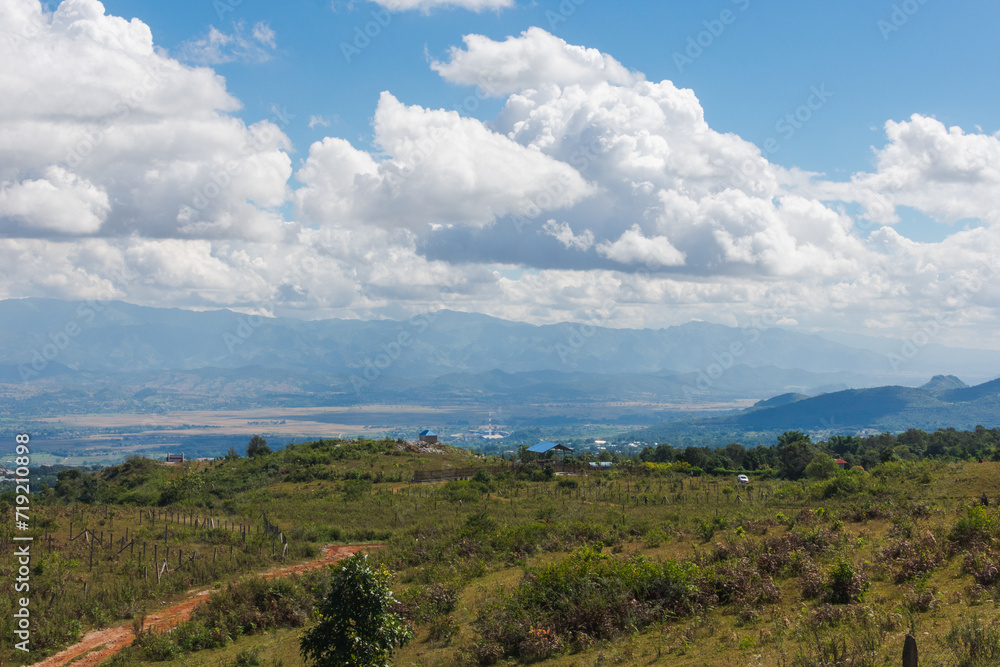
(910, 652)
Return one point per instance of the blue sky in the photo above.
(625, 164)
(941, 62)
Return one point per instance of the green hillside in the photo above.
(525, 563)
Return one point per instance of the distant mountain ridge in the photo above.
(231, 357)
(944, 383)
(944, 402)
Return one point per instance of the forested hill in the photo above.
(944, 402)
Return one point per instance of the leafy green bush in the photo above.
(479, 524)
(978, 525)
(584, 596)
(157, 647)
(194, 636)
(464, 491)
(248, 657)
(844, 584)
(253, 605)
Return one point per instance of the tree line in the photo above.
(795, 451)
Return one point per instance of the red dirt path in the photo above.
(109, 641)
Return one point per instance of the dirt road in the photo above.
(99, 645)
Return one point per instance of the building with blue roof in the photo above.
(547, 448)
(429, 437)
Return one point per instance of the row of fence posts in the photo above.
(167, 516)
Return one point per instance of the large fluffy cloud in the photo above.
(941, 171)
(672, 194)
(440, 168)
(101, 133)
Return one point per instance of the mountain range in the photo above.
(944, 402)
(119, 356)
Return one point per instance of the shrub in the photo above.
(539, 644)
(742, 584)
(248, 657)
(812, 582)
(194, 636)
(921, 599)
(706, 529)
(978, 525)
(983, 567)
(425, 603)
(157, 648)
(463, 491)
(253, 605)
(443, 629)
(479, 524)
(585, 595)
(912, 560)
(974, 644)
(822, 466)
(845, 584)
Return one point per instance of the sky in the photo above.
(638, 164)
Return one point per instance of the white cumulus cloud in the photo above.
(59, 202)
(634, 248)
(942, 171)
(128, 140)
(536, 59)
(439, 168)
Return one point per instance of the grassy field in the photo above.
(633, 566)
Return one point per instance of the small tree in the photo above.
(356, 627)
(257, 447)
(822, 466)
(796, 452)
